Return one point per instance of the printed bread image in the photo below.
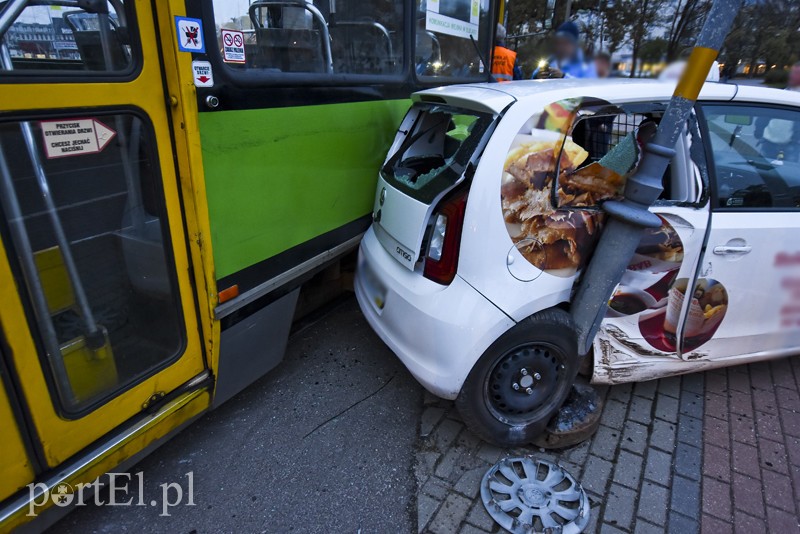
(661, 243)
(550, 238)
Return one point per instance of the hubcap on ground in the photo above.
(523, 380)
(525, 495)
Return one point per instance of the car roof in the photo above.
(495, 97)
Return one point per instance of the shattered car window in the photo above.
(613, 141)
(436, 150)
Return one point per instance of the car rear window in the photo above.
(440, 144)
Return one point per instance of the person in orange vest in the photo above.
(504, 61)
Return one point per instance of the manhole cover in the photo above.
(525, 495)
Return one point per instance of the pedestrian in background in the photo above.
(504, 61)
(794, 78)
(568, 59)
(602, 64)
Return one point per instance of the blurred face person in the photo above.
(564, 47)
(794, 77)
(602, 65)
(567, 59)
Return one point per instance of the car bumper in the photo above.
(438, 332)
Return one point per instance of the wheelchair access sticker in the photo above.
(75, 137)
(190, 35)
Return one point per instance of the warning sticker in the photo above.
(233, 46)
(190, 35)
(75, 137)
(203, 77)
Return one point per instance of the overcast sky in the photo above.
(43, 14)
(225, 10)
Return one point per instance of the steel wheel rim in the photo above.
(523, 380)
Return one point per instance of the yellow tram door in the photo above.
(101, 344)
(16, 469)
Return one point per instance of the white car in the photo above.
(488, 208)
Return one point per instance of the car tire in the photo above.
(521, 380)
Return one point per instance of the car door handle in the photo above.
(727, 249)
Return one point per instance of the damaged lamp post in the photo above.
(629, 217)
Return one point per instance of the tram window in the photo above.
(95, 264)
(324, 36)
(451, 38)
(56, 37)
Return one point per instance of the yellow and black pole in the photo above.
(629, 217)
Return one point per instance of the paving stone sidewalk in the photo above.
(713, 452)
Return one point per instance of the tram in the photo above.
(172, 175)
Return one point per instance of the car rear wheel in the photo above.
(521, 380)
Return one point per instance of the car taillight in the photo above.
(442, 256)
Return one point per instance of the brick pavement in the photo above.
(715, 452)
(751, 457)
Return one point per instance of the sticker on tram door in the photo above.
(233, 46)
(75, 137)
(190, 35)
(203, 76)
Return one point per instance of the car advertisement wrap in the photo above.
(557, 172)
(646, 309)
(543, 183)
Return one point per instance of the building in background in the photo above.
(47, 36)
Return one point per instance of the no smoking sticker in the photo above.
(203, 76)
(233, 46)
(75, 137)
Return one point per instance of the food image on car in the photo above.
(661, 244)
(650, 273)
(547, 218)
(555, 239)
(706, 311)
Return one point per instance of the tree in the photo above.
(618, 19)
(764, 31)
(533, 19)
(654, 50)
(627, 20)
(686, 25)
(779, 21)
(525, 16)
(646, 16)
(592, 23)
(739, 44)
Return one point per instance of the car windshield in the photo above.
(436, 150)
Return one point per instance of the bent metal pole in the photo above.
(629, 217)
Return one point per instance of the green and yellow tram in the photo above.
(171, 174)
